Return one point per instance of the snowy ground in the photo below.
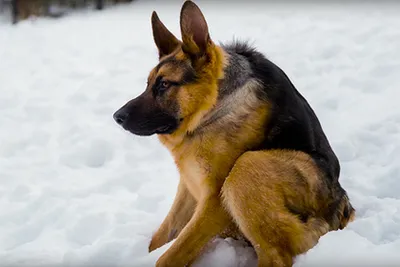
(76, 190)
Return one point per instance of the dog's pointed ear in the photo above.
(165, 41)
(194, 29)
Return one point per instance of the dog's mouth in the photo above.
(149, 129)
(165, 129)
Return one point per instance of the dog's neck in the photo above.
(235, 104)
(235, 90)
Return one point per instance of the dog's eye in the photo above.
(165, 85)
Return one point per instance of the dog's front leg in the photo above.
(209, 220)
(179, 215)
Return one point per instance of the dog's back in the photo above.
(293, 124)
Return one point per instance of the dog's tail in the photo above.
(340, 212)
(345, 212)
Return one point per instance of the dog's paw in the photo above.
(160, 238)
(155, 244)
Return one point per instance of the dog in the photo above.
(253, 159)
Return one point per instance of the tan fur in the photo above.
(171, 72)
(258, 191)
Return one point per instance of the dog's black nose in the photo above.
(120, 117)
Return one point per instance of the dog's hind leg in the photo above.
(179, 215)
(257, 192)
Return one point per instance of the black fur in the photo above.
(294, 124)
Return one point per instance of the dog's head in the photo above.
(183, 86)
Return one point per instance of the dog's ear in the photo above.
(195, 36)
(165, 41)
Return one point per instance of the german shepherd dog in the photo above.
(253, 159)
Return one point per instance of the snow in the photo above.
(77, 190)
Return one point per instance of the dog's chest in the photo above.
(204, 165)
(194, 175)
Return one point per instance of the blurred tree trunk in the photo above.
(14, 10)
(99, 4)
(23, 9)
